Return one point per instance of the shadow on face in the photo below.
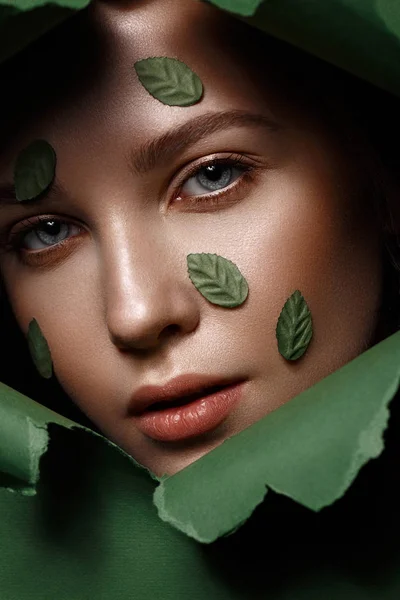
(86, 96)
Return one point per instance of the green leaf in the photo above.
(310, 450)
(39, 350)
(294, 330)
(169, 80)
(34, 170)
(217, 279)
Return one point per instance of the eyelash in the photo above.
(212, 199)
(29, 225)
(15, 239)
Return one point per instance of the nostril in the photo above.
(146, 341)
(149, 319)
(170, 331)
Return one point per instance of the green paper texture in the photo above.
(82, 521)
(303, 505)
(360, 36)
(310, 449)
(23, 21)
(24, 439)
(245, 8)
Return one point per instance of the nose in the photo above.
(149, 300)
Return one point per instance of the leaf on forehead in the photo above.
(169, 80)
(217, 279)
(294, 329)
(39, 350)
(34, 170)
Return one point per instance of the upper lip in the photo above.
(179, 388)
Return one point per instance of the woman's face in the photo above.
(107, 280)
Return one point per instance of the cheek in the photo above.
(66, 302)
(297, 231)
(307, 233)
(69, 315)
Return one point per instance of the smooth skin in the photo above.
(111, 293)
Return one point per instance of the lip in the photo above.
(183, 417)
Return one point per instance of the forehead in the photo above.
(57, 78)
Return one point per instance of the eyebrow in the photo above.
(166, 147)
(163, 149)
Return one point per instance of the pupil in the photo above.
(214, 172)
(51, 227)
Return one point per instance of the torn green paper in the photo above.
(359, 36)
(24, 439)
(23, 21)
(92, 530)
(245, 8)
(310, 450)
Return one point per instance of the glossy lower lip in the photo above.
(191, 420)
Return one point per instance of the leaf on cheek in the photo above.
(294, 329)
(39, 350)
(217, 279)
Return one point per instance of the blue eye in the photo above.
(211, 178)
(47, 232)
